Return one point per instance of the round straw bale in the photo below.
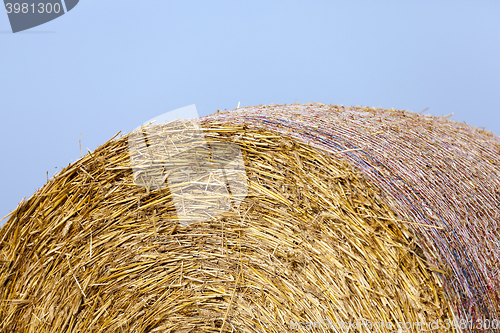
(349, 219)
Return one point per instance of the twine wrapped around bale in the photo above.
(347, 214)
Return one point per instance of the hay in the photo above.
(435, 173)
(327, 231)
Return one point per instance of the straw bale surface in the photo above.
(441, 176)
(350, 213)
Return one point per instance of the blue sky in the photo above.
(108, 66)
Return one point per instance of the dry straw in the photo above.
(350, 214)
(439, 175)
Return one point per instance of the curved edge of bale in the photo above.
(313, 243)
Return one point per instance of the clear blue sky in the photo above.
(108, 66)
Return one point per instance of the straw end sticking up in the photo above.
(427, 108)
(6, 216)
